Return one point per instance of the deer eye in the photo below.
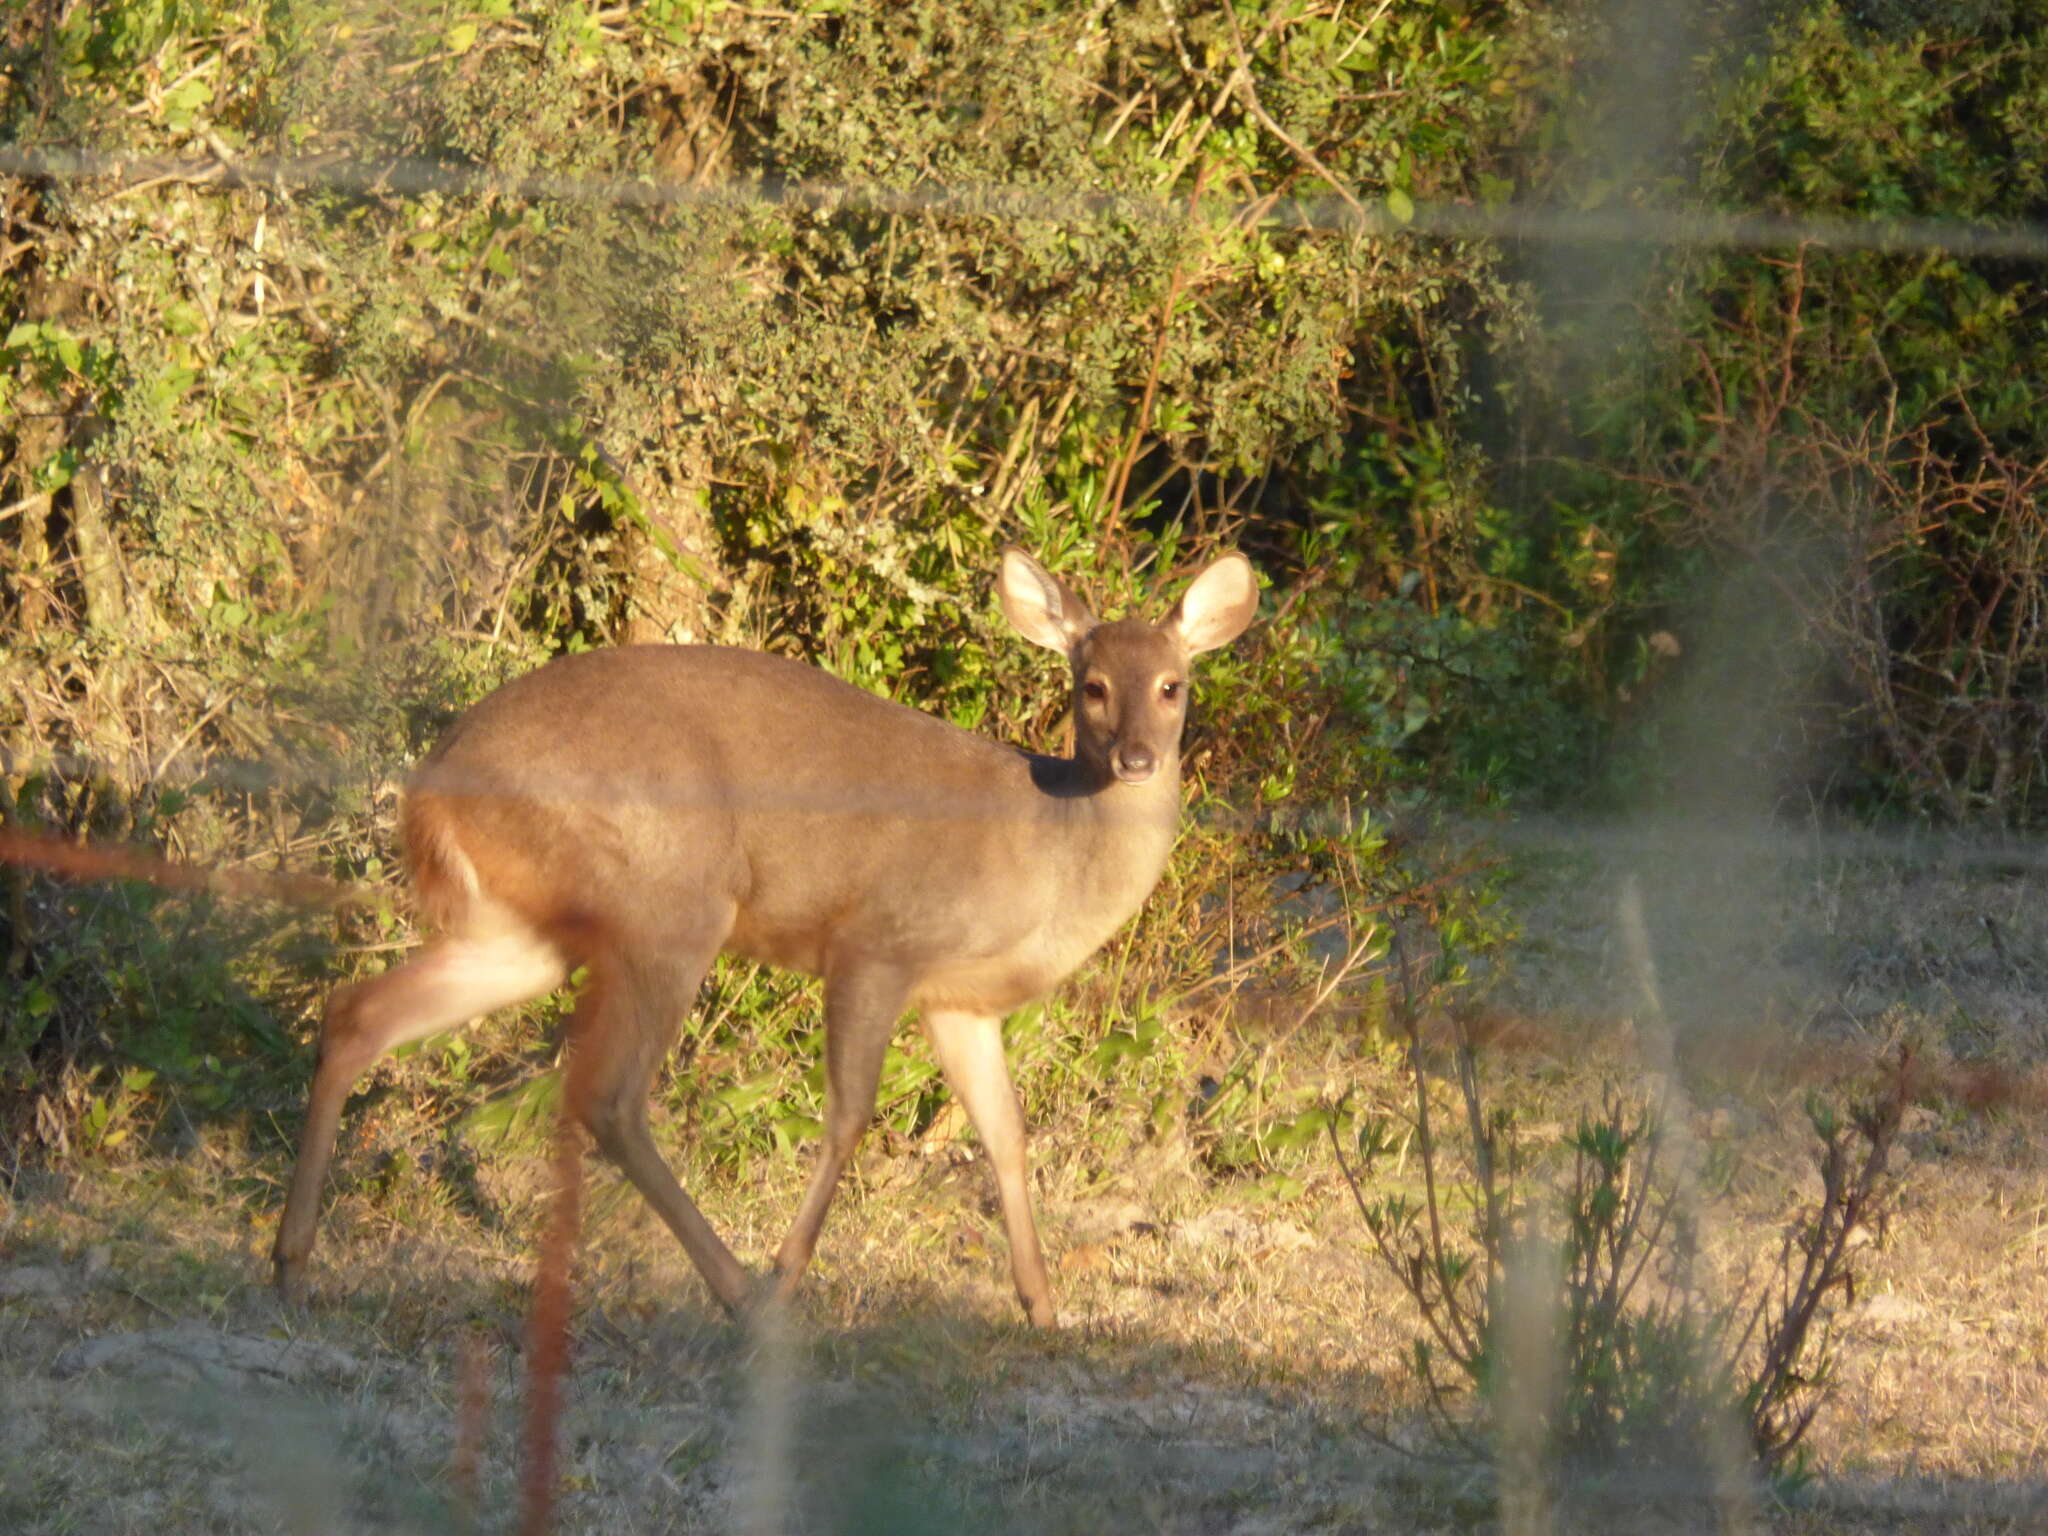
(1094, 691)
(1171, 691)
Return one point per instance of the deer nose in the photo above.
(1134, 764)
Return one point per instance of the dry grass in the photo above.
(1231, 1366)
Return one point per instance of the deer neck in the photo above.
(1115, 838)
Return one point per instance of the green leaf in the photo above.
(184, 104)
(56, 471)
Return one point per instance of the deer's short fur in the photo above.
(637, 811)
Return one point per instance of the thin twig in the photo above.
(60, 856)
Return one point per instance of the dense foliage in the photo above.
(377, 351)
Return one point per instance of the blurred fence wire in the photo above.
(1733, 229)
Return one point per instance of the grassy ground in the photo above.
(1234, 1361)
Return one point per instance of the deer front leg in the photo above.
(861, 1009)
(970, 1051)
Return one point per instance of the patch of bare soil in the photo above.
(672, 1424)
(1232, 1364)
(1227, 1376)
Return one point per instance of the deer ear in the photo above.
(1217, 606)
(1039, 606)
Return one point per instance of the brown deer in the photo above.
(637, 811)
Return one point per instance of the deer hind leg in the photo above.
(625, 1023)
(451, 981)
(861, 1009)
(969, 1047)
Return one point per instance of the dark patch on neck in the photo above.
(1067, 778)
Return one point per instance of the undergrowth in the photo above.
(1576, 1322)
